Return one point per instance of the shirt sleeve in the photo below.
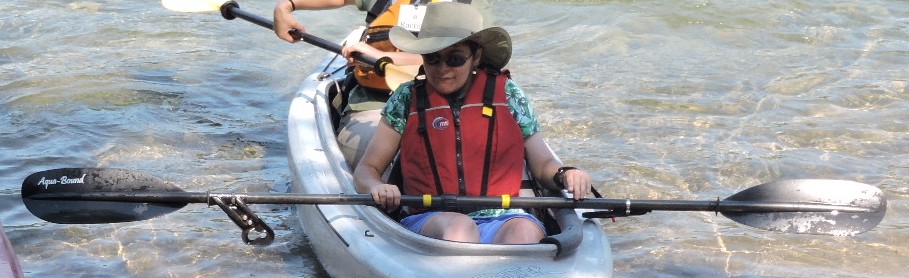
(397, 107)
(521, 109)
(365, 5)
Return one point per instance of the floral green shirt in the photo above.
(398, 106)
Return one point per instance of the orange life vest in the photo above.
(377, 36)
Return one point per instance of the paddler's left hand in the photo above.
(387, 196)
(577, 182)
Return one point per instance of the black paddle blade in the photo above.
(819, 192)
(53, 195)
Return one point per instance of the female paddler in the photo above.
(365, 92)
(466, 129)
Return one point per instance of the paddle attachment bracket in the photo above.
(246, 219)
(612, 213)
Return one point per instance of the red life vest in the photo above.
(475, 151)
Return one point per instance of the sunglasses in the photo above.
(453, 61)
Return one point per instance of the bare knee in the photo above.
(519, 231)
(452, 226)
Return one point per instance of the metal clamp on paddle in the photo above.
(246, 220)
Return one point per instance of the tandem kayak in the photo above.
(9, 265)
(361, 241)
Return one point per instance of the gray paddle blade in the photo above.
(53, 195)
(821, 192)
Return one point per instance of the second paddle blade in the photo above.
(192, 6)
(53, 195)
(820, 192)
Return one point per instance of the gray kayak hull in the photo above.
(361, 241)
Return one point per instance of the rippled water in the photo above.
(657, 99)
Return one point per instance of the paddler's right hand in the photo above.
(387, 196)
(284, 21)
(350, 50)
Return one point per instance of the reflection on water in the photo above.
(658, 99)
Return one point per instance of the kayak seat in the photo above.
(529, 188)
(338, 97)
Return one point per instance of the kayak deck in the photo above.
(361, 241)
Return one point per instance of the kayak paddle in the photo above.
(105, 195)
(394, 75)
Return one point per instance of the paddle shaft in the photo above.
(231, 10)
(100, 195)
(452, 201)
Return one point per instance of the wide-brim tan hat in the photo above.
(448, 23)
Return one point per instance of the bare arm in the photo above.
(368, 174)
(544, 165)
(284, 21)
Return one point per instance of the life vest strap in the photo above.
(422, 100)
(488, 95)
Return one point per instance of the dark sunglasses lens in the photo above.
(455, 61)
(432, 59)
(452, 61)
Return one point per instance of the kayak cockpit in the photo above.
(358, 240)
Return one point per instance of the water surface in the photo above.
(657, 99)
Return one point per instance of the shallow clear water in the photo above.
(657, 99)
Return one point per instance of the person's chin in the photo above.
(446, 88)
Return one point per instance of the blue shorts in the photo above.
(489, 226)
